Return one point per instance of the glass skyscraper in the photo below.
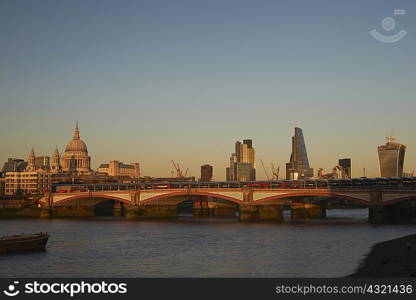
(298, 167)
(345, 163)
(391, 158)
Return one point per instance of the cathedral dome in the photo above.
(76, 159)
(76, 144)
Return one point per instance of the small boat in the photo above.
(23, 242)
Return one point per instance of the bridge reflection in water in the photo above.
(388, 199)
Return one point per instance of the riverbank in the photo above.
(394, 258)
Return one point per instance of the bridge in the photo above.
(255, 201)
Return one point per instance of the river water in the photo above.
(205, 247)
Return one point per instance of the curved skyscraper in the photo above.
(298, 167)
(391, 158)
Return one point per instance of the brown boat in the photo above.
(23, 242)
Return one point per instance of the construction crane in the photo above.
(267, 175)
(178, 169)
(275, 172)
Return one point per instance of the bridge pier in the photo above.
(270, 212)
(68, 211)
(378, 214)
(200, 208)
(256, 213)
(45, 212)
(221, 209)
(307, 211)
(118, 209)
(248, 213)
(209, 208)
(142, 212)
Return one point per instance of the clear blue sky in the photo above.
(152, 81)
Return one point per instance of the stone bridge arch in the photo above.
(400, 199)
(361, 198)
(94, 196)
(158, 199)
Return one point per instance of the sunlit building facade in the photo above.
(242, 162)
(27, 182)
(117, 168)
(298, 167)
(391, 158)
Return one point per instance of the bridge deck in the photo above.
(366, 196)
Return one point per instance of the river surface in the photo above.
(205, 247)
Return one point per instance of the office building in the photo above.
(117, 168)
(206, 172)
(298, 167)
(345, 164)
(27, 182)
(14, 165)
(391, 158)
(242, 162)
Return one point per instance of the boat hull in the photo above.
(24, 243)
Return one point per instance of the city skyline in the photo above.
(152, 82)
(259, 172)
(258, 141)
